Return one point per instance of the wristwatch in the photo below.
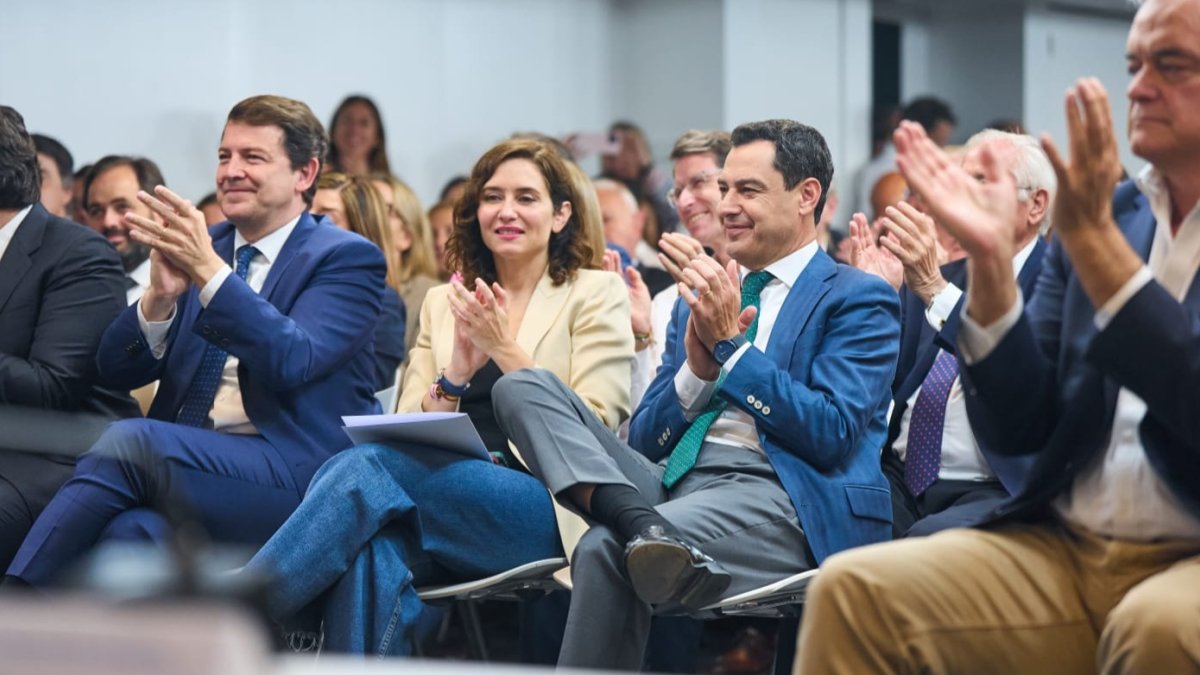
(724, 350)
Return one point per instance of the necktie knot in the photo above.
(752, 287)
(244, 255)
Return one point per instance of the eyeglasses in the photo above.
(694, 184)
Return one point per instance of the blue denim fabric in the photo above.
(377, 522)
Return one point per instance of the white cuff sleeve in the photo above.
(975, 342)
(155, 332)
(727, 367)
(1105, 314)
(641, 374)
(693, 393)
(943, 304)
(214, 284)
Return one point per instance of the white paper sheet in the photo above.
(451, 431)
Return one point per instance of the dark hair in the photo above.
(56, 151)
(928, 111)
(20, 177)
(147, 172)
(303, 136)
(209, 199)
(377, 160)
(450, 185)
(569, 247)
(800, 153)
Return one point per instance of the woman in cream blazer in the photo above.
(378, 521)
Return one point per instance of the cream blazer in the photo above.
(579, 331)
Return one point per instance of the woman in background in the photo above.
(354, 204)
(413, 239)
(357, 144)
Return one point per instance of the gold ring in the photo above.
(705, 294)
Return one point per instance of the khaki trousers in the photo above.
(1044, 598)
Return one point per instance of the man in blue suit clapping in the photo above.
(757, 444)
(260, 334)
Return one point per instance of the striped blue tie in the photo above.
(199, 399)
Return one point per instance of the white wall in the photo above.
(1059, 49)
(157, 78)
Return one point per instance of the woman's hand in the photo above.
(639, 296)
(482, 317)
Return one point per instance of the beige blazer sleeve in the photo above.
(579, 331)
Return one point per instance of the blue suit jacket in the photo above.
(1050, 386)
(304, 344)
(919, 345)
(823, 382)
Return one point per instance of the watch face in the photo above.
(723, 350)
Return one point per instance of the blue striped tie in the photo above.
(199, 399)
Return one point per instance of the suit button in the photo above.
(750, 399)
(206, 330)
(766, 410)
(758, 405)
(660, 442)
(224, 342)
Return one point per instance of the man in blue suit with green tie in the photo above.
(259, 332)
(755, 451)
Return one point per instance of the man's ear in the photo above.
(1039, 203)
(809, 192)
(308, 174)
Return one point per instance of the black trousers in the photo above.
(27, 483)
(946, 504)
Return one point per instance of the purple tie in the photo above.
(924, 456)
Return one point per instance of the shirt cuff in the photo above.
(155, 332)
(975, 342)
(214, 284)
(942, 306)
(1105, 314)
(692, 391)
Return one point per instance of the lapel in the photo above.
(18, 257)
(295, 242)
(1027, 278)
(548, 301)
(802, 299)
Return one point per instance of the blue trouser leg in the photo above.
(379, 521)
(238, 487)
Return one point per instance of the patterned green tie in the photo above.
(683, 457)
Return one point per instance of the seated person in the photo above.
(257, 362)
(758, 441)
(412, 236)
(353, 204)
(941, 476)
(380, 520)
(60, 286)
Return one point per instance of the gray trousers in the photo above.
(731, 505)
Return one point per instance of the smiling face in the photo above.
(356, 132)
(516, 214)
(763, 220)
(1163, 60)
(112, 194)
(257, 187)
(698, 197)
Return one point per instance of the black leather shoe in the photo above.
(666, 570)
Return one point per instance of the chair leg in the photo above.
(470, 614)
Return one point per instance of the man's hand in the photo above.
(699, 357)
(677, 252)
(715, 298)
(1103, 259)
(981, 216)
(167, 283)
(639, 296)
(911, 237)
(1086, 179)
(865, 255)
(182, 237)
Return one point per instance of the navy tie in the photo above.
(923, 459)
(199, 399)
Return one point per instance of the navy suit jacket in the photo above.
(304, 343)
(823, 383)
(1050, 386)
(61, 284)
(919, 345)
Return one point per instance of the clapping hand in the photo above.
(866, 255)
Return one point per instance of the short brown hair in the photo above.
(696, 142)
(303, 136)
(569, 247)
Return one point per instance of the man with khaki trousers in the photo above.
(1095, 565)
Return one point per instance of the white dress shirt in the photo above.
(228, 414)
(141, 277)
(9, 229)
(1119, 494)
(733, 426)
(961, 457)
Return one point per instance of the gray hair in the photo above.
(620, 188)
(1031, 171)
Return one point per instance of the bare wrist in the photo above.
(157, 306)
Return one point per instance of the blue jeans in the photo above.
(377, 522)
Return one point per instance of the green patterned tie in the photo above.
(683, 457)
